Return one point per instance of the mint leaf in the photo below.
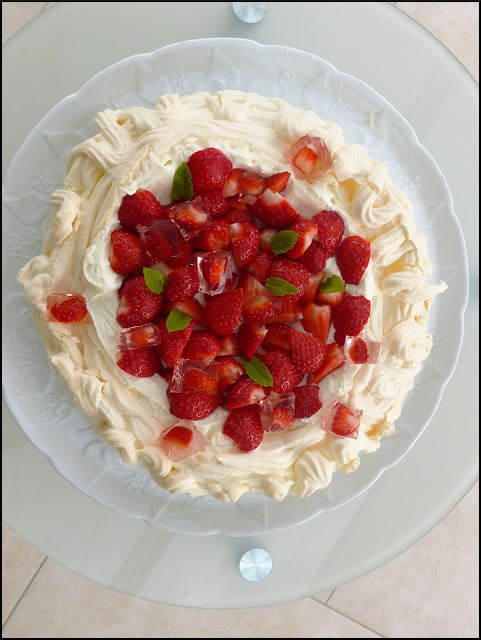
(182, 188)
(333, 284)
(283, 241)
(155, 280)
(177, 321)
(258, 372)
(280, 287)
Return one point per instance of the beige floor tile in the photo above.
(431, 590)
(323, 597)
(20, 562)
(16, 14)
(60, 604)
(456, 24)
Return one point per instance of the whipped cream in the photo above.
(139, 148)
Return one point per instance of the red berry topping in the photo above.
(172, 343)
(266, 234)
(249, 338)
(358, 352)
(214, 203)
(294, 273)
(316, 319)
(156, 247)
(126, 252)
(307, 401)
(209, 168)
(251, 183)
(244, 237)
(223, 312)
(278, 181)
(179, 435)
(215, 236)
(244, 427)
(138, 305)
(284, 375)
(72, 310)
(332, 299)
(200, 381)
(141, 209)
(304, 160)
(259, 266)
(350, 317)
(142, 362)
(231, 185)
(193, 405)
(314, 258)
(345, 423)
(190, 217)
(310, 156)
(307, 231)
(181, 260)
(202, 345)
(331, 230)
(352, 258)
(282, 417)
(276, 337)
(274, 210)
(243, 393)
(312, 287)
(335, 358)
(182, 284)
(228, 346)
(307, 352)
(286, 313)
(191, 307)
(237, 215)
(229, 372)
(258, 304)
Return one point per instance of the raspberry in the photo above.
(352, 258)
(141, 209)
(209, 168)
(350, 316)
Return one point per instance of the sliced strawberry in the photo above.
(239, 203)
(126, 252)
(167, 374)
(335, 358)
(352, 258)
(194, 405)
(276, 337)
(180, 436)
(310, 156)
(209, 168)
(202, 345)
(244, 238)
(228, 346)
(307, 401)
(223, 313)
(284, 375)
(200, 381)
(307, 231)
(278, 181)
(191, 307)
(238, 215)
(156, 246)
(265, 236)
(142, 362)
(305, 160)
(231, 187)
(307, 352)
(314, 258)
(274, 210)
(243, 393)
(345, 422)
(292, 272)
(251, 183)
(138, 305)
(350, 317)
(181, 260)
(214, 236)
(331, 230)
(172, 343)
(141, 209)
(215, 271)
(244, 427)
(316, 319)
(249, 338)
(71, 310)
(229, 372)
(357, 353)
(182, 284)
(258, 305)
(190, 217)
(214, 203)
(146, 336)
(259, 266)
(312, 288)
(282, 418)
(332, 299)
(286, 313)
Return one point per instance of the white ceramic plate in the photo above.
(39, 401)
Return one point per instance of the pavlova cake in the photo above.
(235, 297)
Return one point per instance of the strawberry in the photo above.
(307, 401)
(72, 310)
(350, 316)
(244, 238)
(182, 259)
(282, 417)
(191, 307)
(249, 338)
(138, 305)
(310, 157)
(307, 231)
(229, 372)
(305, 160)
(238, 215)
(284, 375)
(276, 337)
(142, 362)
(167, 374)
(242, 393)
(213, 202)
(239, 203)
(314, 258)
(352, 258)
(209, 168)
(307, 352)
(141, 209)
(332, 299)
(172, 343)
(265, 236)
(156, 247)
(345, 423)
(251, 183)
(214, 236)
(189, 216)
(294, 273)
(331, 230)
(278, 181)
(202, 345)
(316, 319)
(286, 313)
(244, 427)
(228, 346)
(223, 313)
(200, 381)
(258, 304)
(311, 289)
(193, 405)
(182, 284)
(231, 185)
(274, 210)
(259, 266)
(126, 252)
(179, 435)
(215, 268)
(358, 352)
(335, 358)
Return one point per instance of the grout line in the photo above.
(340, 613)
(330, 596)
(24, 591)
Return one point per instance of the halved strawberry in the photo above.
(244, 427)
(265, 236)
(181, 260)
(179, 435)
(284, 374)
(345, 423)
(229, 372)
(138, 305)
(126, 252)
(259, 266)
(249, 338)
(193, 405)
(238, 215)
(282, 417)
(243, 393)
(223, 313)
(244, 238)
(142, 362)
(251, 183)
(335, 358)
(276, 337)
(316, 319)
(231, 185)
(191, 307)
(239, 203)
(172, 343)
(352, 257)
(357, 352)
(286, 313)
(182, 284)
(313, 283)
(228, 346)
(189, 216)
(278, 181)
(314, 258)
(307, 231)
(69, 309)
(258, 304)
(310, 156)
(307, 352)
(214, 236)
(332, 299)
(202, 345)
(200, 381)
(140, 209)
(305, 160)
(331, 230)
(274, 210)
(307, 401)
(209, 168)
(213, 202)
(294, 273)
(350, 317)
(216, 270)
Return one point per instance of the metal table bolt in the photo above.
(255, 565)
(250, 11)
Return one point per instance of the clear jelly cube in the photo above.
(134, 337)
(373, 349)
(277, 411)
(190, 218)
(214, 269)
(57, 299)
(168, 232)
(176, 442)
(341, 420)
(195, 375)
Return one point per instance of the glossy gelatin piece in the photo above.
(310, 157)
(67, 308)
(190, 217)
(146, 336)
(214, 269)
(277, 411)
(359, 351)
(341, 420)
(195, 375)
(181, 440)
(161, 241)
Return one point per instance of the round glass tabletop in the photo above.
(429, 87)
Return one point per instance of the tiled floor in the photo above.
(431, 590)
